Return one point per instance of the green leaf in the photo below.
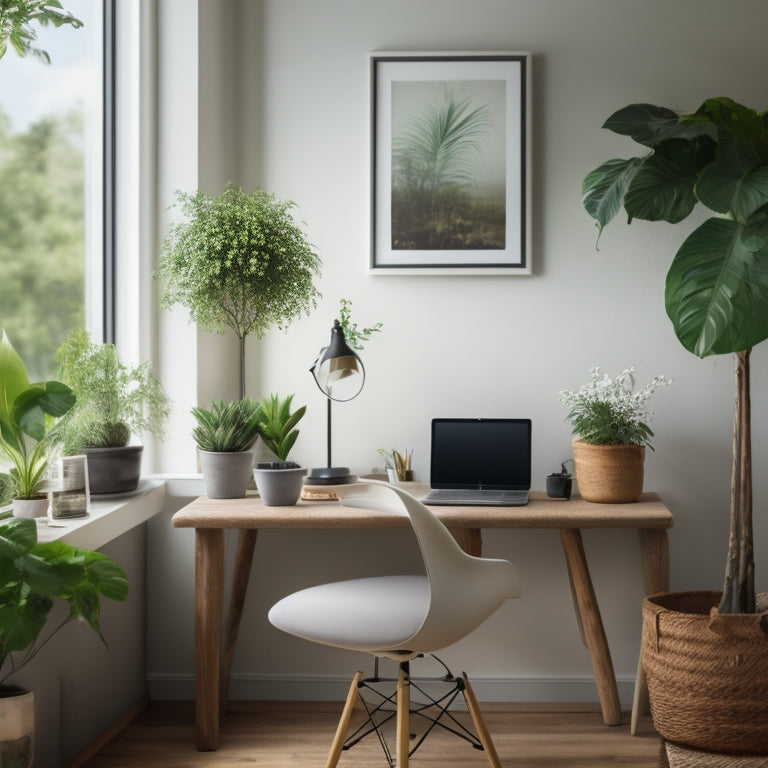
(604, 188)
(663, 188)
(649, 125)
(717, 288)
(13, 378)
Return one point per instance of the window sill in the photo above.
(108, 518)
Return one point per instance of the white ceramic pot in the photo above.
(17, 726)
(33, 508)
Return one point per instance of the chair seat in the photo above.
(369, 614)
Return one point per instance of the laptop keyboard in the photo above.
(460, 496)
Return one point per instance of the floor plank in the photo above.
(281, 734)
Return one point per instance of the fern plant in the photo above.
(278, 424)
(227, 427)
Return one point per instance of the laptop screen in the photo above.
(481, 453)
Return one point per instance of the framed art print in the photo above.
(450, 168)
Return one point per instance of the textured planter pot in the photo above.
(17, 727)
(279, 487)
(226, 474)
(114, 470)
(33, 508)
(707, 672)
(609, 474)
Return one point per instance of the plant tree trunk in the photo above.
(739, 587)
(242, 366)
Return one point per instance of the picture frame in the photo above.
(450, 163)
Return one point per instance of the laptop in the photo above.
(480, 462)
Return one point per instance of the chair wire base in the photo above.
(381, 708)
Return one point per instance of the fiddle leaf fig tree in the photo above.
(717, 284)
(238, 261)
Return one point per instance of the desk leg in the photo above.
(588, 614)
(246, 544)
(469, 539)
(654, 545)
(209, 583)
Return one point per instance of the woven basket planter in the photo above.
(707, 672)
(609, 474)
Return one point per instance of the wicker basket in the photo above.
(680, 757)
(611, 474)
(707, 672)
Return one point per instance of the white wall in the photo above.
(474, 346)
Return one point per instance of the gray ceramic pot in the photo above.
(114, 470)
(279, 487)
(226, 474)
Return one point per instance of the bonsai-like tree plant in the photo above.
(717, 284)
(238, 261)
(27, 421)
(114, 400)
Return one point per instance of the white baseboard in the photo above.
(334, 688)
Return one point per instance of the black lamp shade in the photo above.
(338, 371)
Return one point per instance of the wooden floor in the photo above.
(281, 734)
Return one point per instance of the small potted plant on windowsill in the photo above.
(114, 401)
(279, 482)
(225, 434)
(32, 577)
(27, 428)
(609, 418)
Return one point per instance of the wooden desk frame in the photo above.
(215, 648)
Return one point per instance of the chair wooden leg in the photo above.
(343, 726)
(479, 722)
(403, 716)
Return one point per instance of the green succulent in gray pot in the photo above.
(279, 482)
(225, 434)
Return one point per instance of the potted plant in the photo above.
(238, 261)
(114, 401)
(33, 577)
(609, 420)
(27, 417)
(715, 297)
(225, 434)
(279, 482)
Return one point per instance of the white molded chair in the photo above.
(402, 617)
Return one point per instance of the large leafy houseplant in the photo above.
(33, 576)
(27, 416)
(238, 261)
(717, 283)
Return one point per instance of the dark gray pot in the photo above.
(114, 470)
(279, 487)
(226, 474)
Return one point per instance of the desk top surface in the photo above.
(540, 512)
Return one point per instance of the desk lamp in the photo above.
(339, 374)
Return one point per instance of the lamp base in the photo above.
(330, 476)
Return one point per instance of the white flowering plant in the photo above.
(610, 411)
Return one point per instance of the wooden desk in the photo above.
(210, 517)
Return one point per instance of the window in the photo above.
(52, 222)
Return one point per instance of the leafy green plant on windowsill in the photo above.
(114, 400)
(28, 414)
